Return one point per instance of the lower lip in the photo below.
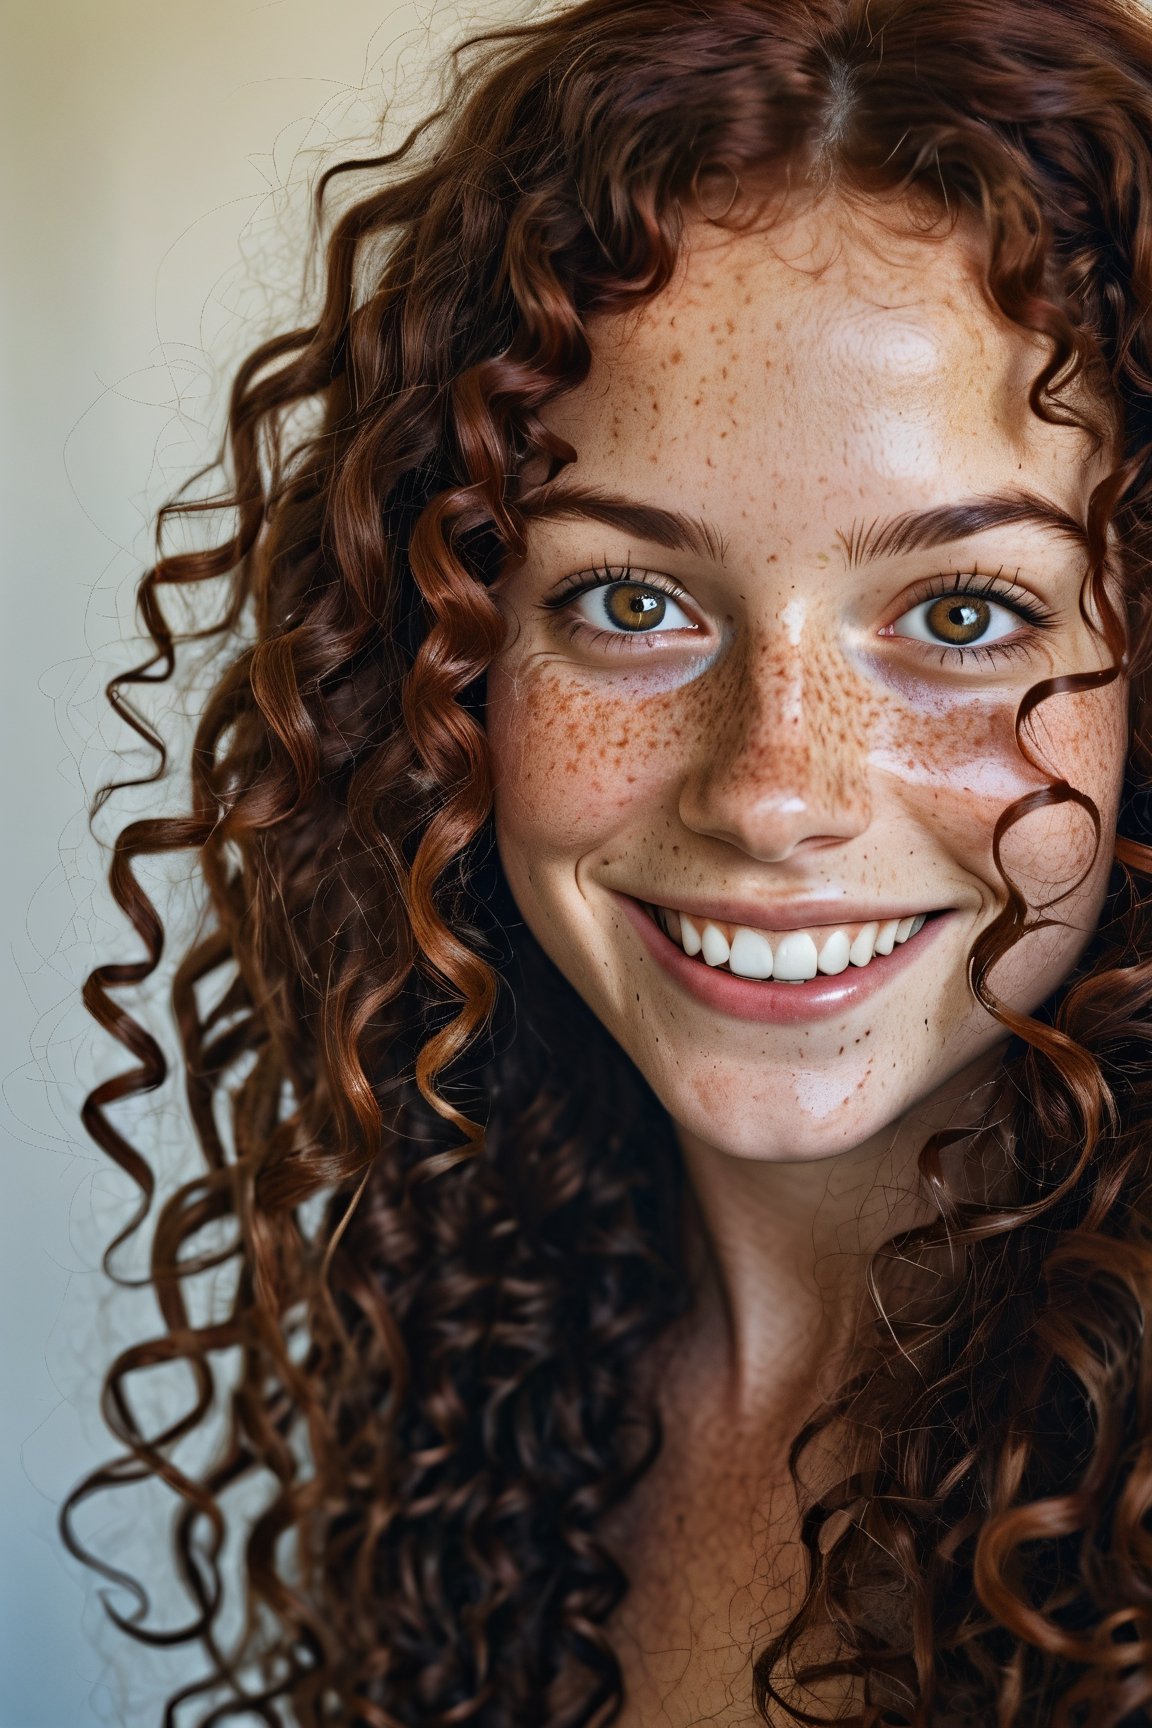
(777, 1004)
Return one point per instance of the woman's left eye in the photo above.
(958, 620)
(630, 608)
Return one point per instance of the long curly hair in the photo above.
(449, 1255)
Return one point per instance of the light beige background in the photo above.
(154, 156)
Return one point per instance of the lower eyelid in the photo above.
(630, 641)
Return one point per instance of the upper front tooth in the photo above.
(795, 957)
(714, 944)
(886, 939)
(751, 954)
(862, 949)
(835, 953)
(689, 935)
(904, 929)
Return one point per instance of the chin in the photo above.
(818, 1123)
(791, 1116)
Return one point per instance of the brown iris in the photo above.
(959, 618)
(633, 607)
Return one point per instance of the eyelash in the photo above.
(963, 583)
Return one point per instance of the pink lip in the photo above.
(776, 1004)
(795, 914)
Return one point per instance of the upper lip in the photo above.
(789, 914)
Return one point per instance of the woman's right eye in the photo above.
(623, 608)
(633, 607)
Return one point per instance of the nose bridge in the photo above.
(785, 759)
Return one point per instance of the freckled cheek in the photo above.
(569, 763)
(1082, 739)
(962, 767)
(957, 766)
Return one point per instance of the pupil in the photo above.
(635, 608)
(959, 621)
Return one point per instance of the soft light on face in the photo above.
(795, 721)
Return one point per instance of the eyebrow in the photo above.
(890, 537)
(920, 530)
(672, 529)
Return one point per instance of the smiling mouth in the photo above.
(787, 956)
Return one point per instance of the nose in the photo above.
(782, 754)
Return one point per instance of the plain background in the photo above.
(155, 160)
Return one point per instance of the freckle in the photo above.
(676, 356)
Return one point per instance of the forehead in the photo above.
(837, 349)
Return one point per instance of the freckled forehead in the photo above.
(828, 337)
(809, 291)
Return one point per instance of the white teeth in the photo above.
(864, 946)
(751, 955)
(886, 940)
(714, 944)
(835, 954)
(795, 957)
(689, 935)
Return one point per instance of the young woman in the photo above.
(669, 1041)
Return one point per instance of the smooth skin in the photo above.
(788, 734)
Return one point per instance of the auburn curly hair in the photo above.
(448, 1256)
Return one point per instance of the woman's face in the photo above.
(765, 678)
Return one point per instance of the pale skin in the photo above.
(789, 733)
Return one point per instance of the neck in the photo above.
(779, 1253)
